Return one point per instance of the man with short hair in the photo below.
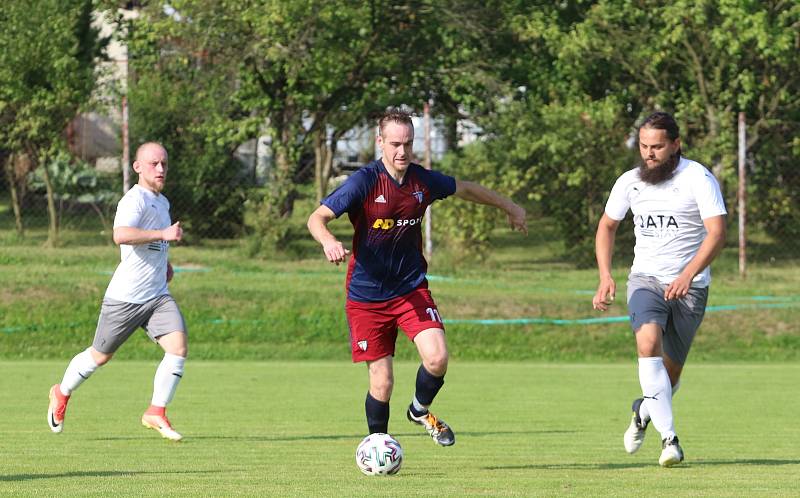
(386, 284)
(137, 296)
(679, 223)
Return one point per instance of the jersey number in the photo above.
(434, 314)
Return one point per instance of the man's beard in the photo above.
(660, 172)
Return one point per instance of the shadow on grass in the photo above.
(632, 465)
(746, 461)
(97, 473)
(571, 466)
(189, 439)
(326, 437)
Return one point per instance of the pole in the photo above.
(742, 198)
(427, 118)
(126, 153)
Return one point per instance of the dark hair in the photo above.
(662, 121)
(397, 115)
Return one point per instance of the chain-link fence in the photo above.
(84, 194)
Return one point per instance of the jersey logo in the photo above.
(388, 223)
(380, 199)
(362, 345)
(418, 196)
(385, 224)
(658, 221)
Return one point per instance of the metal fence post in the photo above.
(126, 149)
(742, 198)
(428, 213)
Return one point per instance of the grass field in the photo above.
(243, 308)
(291, 428)
(538, 390)
(536, 305)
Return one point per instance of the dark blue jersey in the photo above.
(387, 260)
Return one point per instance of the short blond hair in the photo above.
(144, 146)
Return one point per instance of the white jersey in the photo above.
(668, 218)
(142, 272)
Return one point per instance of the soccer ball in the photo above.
(379, 454)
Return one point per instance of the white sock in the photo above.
(644, 413)
(419, 407)
(168, 375)
(657, 392)
(79, 369)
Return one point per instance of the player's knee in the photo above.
(174, 344)
(648, 351)
(437, 364)
(101, 358)
(182, 351)
(647, 347)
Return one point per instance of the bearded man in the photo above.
(679, 223)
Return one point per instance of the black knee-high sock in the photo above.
(377, 415)
(428, 386)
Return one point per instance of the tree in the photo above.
(544, 134)
(587, 71)
(48, 51)
(706, 61)
(226, 72)
(306, 72)
(180, 98)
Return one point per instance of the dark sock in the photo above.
(428, 386)
(377, 415)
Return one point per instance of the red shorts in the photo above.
(373, 326)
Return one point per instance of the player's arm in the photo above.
(604, 250)
(473, 192)
(318, 226)
(135, 236)
(711, 247)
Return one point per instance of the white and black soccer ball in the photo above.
(379, 454)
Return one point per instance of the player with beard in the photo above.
(137, 296)
(679, 223)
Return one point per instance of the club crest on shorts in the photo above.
(362, 345)
(417, 195)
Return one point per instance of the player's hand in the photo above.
(605, 294)
(335, 252)
(172, 233)
(516, 218)
(170, 271)
(678, 288)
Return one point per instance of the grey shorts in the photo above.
(118, 320)
(679, 318)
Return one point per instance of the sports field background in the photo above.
(538, 390)
(522, 303)
(291, 429)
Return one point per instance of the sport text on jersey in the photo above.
(658, 225)
(388, 223)
(158, 246)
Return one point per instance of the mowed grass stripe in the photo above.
(291, 428)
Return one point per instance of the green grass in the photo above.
(244, 308)
(283, 307)
(291, 428)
